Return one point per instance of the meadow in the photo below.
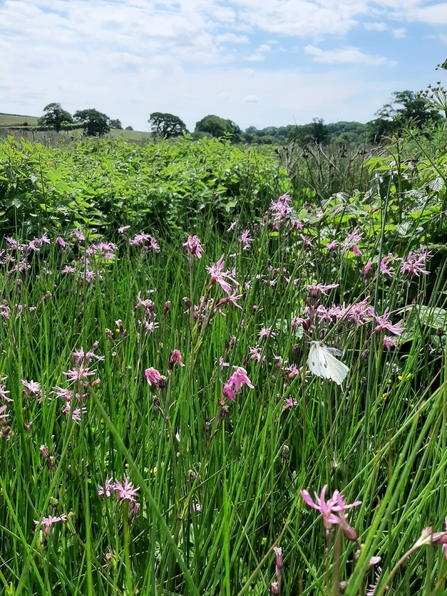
(163, 429)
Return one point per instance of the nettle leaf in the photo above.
(437, 184)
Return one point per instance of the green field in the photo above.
(223, 371)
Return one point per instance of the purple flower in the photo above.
(415, 262)
(193, 247)
(176, 357)
(47, 522)
(386, 325)
(107, 489)
(235, 382)
(154, 378)
(125, 490)
(328, 509)
(219, 276)
(32, 387)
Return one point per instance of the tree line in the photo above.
(418, 109)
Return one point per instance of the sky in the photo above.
(257, 62)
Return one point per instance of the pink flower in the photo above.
(389, 342)
(47, 522)
(125, 490)
(32, 387)
(328, 509)
(193, 247)
(235, 382)
(386, 325)
(415, 262)
(154, 378)
(289, 402)
(61, 242)
(176, 357)
(218, 276)
(107, 489)
(123, 229)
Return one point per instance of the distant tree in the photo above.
(218, 127)
(94, 123)
(116, 124)
(55, 117)
(314, 132)
(166, 125)
(129, 128)
(404, 107)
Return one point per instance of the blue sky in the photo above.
(258, 62)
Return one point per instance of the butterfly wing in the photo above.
(337, 370)
(323, 364)
(317, 362)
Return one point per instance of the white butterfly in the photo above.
(322, 363)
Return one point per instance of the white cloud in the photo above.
(375, 26)
(435, 14)
(251, 99)
(344, 56)
(399, 33)
(232, 38)
(224, 95)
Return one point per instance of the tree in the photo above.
(218, 127)
(94, 123)
(166, 125)
(55, 117)
(116, 124)
(405, 106)
(128, 128)
(314, 132)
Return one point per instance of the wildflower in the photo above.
(232, 226)
(352, 239)
(266, 332)
(47, 522)
(61, 242)
(281, 209)
(316, 288)
(328, 509)
(3, 392)
(246, 240)
(123, 229)
(218, 276)
(192, 247)
(176, 357)
(372, 587)
(78, 235)
(154, 378)
(235, 382)
(80, 374)
(107, 489)
(289, 402)
(415, 262)
(332, 245)
(125, 490)
(3, 409)
(386, 325)
(32, 387)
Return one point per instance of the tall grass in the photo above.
(215, 482)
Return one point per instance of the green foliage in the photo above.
(94, 123)
(103, 185)
(166, 125)
(55, 117)
(316, 133)
(219, 127)
(405, 107)
(116, 124)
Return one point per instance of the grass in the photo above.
(216, 482)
